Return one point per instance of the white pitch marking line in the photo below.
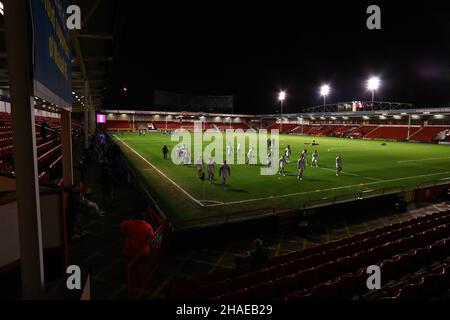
(351, 174)
(330, 189)
(161, 173)
(212, 201)
(421, 165)
(427, 159)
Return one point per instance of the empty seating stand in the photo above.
(48, 151)
(391, 133)
(118, 126)
(428, 133)
(337, 269)
(189, 125)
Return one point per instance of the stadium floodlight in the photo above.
(372, 85)
(324, 91)
(281, 97)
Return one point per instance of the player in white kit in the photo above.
(282, 163)
(314, 160)
(249, 155)
(186, 156)
(229, 150)
(288, 153)
(338, 164)
(300, 167)
(200, 167)
(305, 155)
(211, 169)
(269, 160)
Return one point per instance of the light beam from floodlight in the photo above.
(324, 91)
(373, 84)
(281, 97)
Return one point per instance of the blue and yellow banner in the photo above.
(52, 73)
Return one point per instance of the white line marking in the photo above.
(161, 173)
(427, 159)
(351, 174)
(212, 201)
(329, 189)
(428, 166)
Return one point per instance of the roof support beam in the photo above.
(90, 13)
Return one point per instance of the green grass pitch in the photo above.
(368, 166)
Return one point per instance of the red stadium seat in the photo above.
(327, 270)
(286, 285)
(259, 276)
(280, 271)
(410, 292)
(389, 269)
(262, 291)
(299, 295)
(214, 289)
(308, 278)
(432, 285)
(235, 295)
(326, 290)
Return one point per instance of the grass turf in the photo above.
(368, 166)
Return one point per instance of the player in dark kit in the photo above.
(165, 151)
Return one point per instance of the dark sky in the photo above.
(252, 51)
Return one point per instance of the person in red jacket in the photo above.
(138, 234)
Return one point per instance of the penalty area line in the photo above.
(211, 201)
(161, 173)
(329, 189)
(426, 159)
(351, 174)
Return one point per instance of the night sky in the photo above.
(255, 50)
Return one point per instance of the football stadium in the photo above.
(172, 155)
(399, 166)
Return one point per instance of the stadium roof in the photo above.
(92, 50)
(93, 47)
(362, 108)
(171, 113)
